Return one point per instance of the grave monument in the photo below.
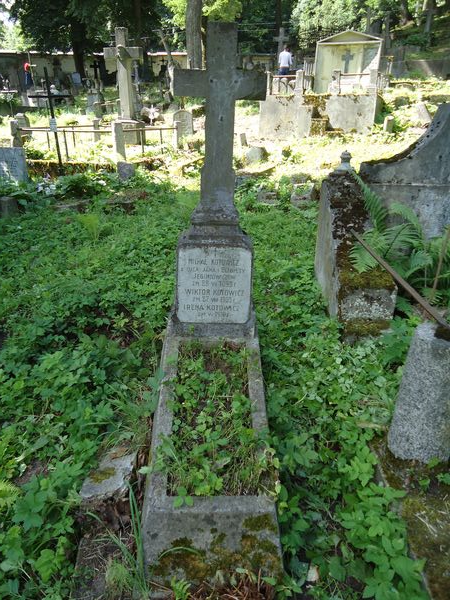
(420, 428)
(345, 83)
(419, 176)
(124, 56)
(364, 305)
(213, 303)
(353, 55)
(13, 167)
(13, 164)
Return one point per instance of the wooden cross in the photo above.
(222, 83)
(281, 39)
(125, 56)
(347, 57)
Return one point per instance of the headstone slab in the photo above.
(184, 118)
(214, 284)
(13, 164)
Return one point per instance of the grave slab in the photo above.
(418, 177)
(226, 532)
(13, 165)
(184, 117)
(8, 207)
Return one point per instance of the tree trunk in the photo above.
(278, 16)
(194, 33)
(78, 40)
(405, 13)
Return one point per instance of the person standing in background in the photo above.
(284, 61)
(28, 76)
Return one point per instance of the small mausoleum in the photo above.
(350, 57)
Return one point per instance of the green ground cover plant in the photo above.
(83, 314)
(213, 448)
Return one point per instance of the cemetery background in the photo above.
(82, 336)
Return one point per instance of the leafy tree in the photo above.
(61, 26)
(12, 38)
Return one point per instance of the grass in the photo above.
(213, 449)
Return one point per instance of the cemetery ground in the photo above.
(84, 304)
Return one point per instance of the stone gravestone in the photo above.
(184, 118)
(213, 304)
(129, 106)
(419, 176)
(13, 164)
(420, 428)
(125, 56)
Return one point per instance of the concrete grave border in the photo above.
(225, 531)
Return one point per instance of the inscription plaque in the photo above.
(214, 285)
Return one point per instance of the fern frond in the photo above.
(399, 240)
(408, 215)
(419, 259)
(360, 258)
(374, 205)
(8, 493)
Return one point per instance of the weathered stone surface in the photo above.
(110, 480)
(228, 531)
(255, 154)
(418, 177)
(291, 116)
(184, 118)
(364, 302)
(388, 124)
(284, 117)
(123, 57)
(303, 192)
(12, 164)
(423, 114)
(420, 428)
(8, 207)
(267, 197)
(125, 170)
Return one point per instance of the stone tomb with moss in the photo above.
(363, 302)
(200, 537)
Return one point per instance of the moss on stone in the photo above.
(99, 475)
(428, 524)
(261, 523)
(255, 554)
(360, 328)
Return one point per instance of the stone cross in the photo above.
(347, 57)
(222, 83)
(281, 39)
(125, 56)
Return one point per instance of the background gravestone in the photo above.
(418, 177)
(184, 118)
(13, 164)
